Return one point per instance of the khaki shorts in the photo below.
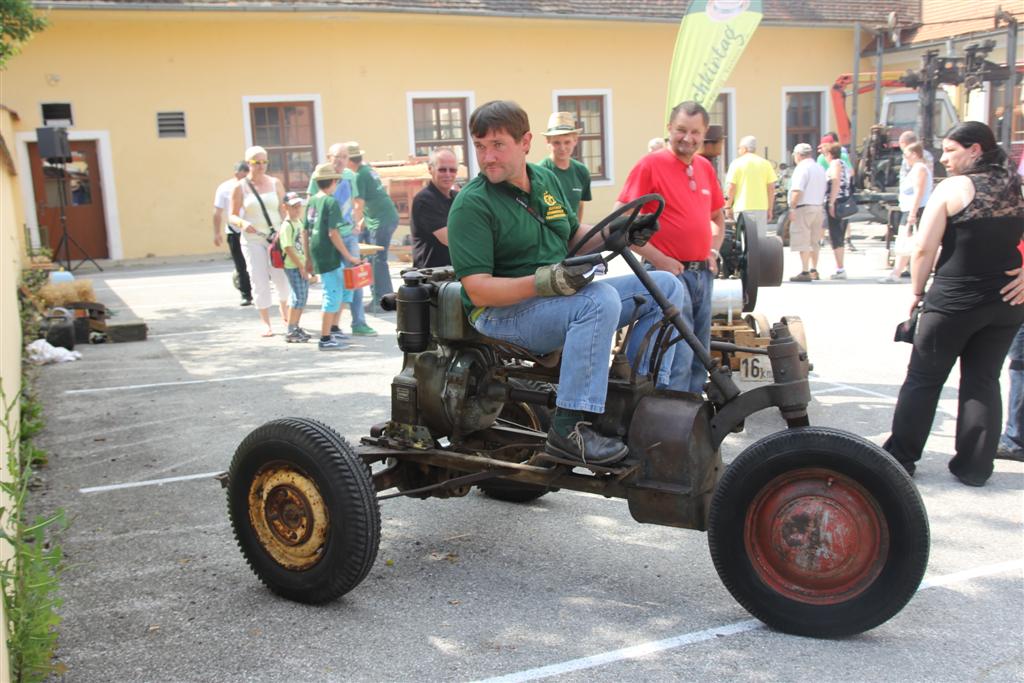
(805, 231)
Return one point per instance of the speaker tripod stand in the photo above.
(66, 240)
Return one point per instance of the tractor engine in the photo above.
(447, 386)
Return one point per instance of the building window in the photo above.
(998, 118)
(803, 119)
(719, 116)
(440, 122)
(286, 130)
(591, 116)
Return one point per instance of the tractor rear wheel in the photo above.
(818, 533)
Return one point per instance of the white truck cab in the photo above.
(900, 109)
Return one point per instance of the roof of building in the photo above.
(942, 19)
(814, 12)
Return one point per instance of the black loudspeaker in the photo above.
(53, 144)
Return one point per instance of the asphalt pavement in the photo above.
(568, 587)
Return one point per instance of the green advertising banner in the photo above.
(712, 36)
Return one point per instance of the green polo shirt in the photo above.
(575, 181)
(377, 205)
(323, 215)
(491, 231)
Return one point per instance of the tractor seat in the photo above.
(451, 324)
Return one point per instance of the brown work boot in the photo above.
(801, 277)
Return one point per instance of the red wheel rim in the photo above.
(816, 536)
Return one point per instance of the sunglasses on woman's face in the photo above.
(258, 162)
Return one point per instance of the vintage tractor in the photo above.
(815, 531)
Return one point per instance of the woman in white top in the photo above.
(915, 189)
(248, 217)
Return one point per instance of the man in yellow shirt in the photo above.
(750, 186)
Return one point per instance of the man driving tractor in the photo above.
(510, 229)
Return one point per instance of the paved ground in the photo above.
(568, 586)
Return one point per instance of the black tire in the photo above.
(297, 477)
(532, 417)
(766, 528)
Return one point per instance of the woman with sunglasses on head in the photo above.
(971, 311)
(256, 198)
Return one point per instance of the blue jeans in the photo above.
(1014, 433)
(358, 314)
(687, 370)
(583, 326)
(381, 274)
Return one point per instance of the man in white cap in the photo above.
(563, 135)
(806, 205)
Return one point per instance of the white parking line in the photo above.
(633, 652)
(645, 649)
(849, 387)
(185, 334)
(148, 482)
(128, 387)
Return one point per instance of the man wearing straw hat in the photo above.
(562, 135)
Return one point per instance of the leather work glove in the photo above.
(642, 229)
(561, 280)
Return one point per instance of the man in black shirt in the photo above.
(430, 211)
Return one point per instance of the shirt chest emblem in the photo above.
(554, 210)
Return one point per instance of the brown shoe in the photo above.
(814, 274)
(801, 277)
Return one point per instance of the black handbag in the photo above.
(846, 207)
(905, 330)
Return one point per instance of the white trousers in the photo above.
(257, 261)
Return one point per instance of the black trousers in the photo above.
(980, 338)
(235, 245)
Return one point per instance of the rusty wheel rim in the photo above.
(288, 515)
(816, 536)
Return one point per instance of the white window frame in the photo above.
(318, 116)
(826, 114)
(733, 141)
(111, 216)
(468, 95)
(608, 139)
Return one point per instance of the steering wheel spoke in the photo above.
(611, 243)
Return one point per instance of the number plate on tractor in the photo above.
(755, 368)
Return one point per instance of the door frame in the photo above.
(111, 216)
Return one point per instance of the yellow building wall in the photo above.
(11, 259)
(118, 69)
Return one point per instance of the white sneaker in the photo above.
(888, 279)
(838, 275)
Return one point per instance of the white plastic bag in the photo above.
(42, 352)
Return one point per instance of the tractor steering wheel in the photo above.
(633, 206)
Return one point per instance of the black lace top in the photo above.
(979, 246)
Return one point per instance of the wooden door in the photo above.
(82, 202)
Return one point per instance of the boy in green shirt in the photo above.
(327, 251)
(290, 238)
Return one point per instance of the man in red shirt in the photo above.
(692, 227)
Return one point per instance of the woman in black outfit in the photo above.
(977, 216)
